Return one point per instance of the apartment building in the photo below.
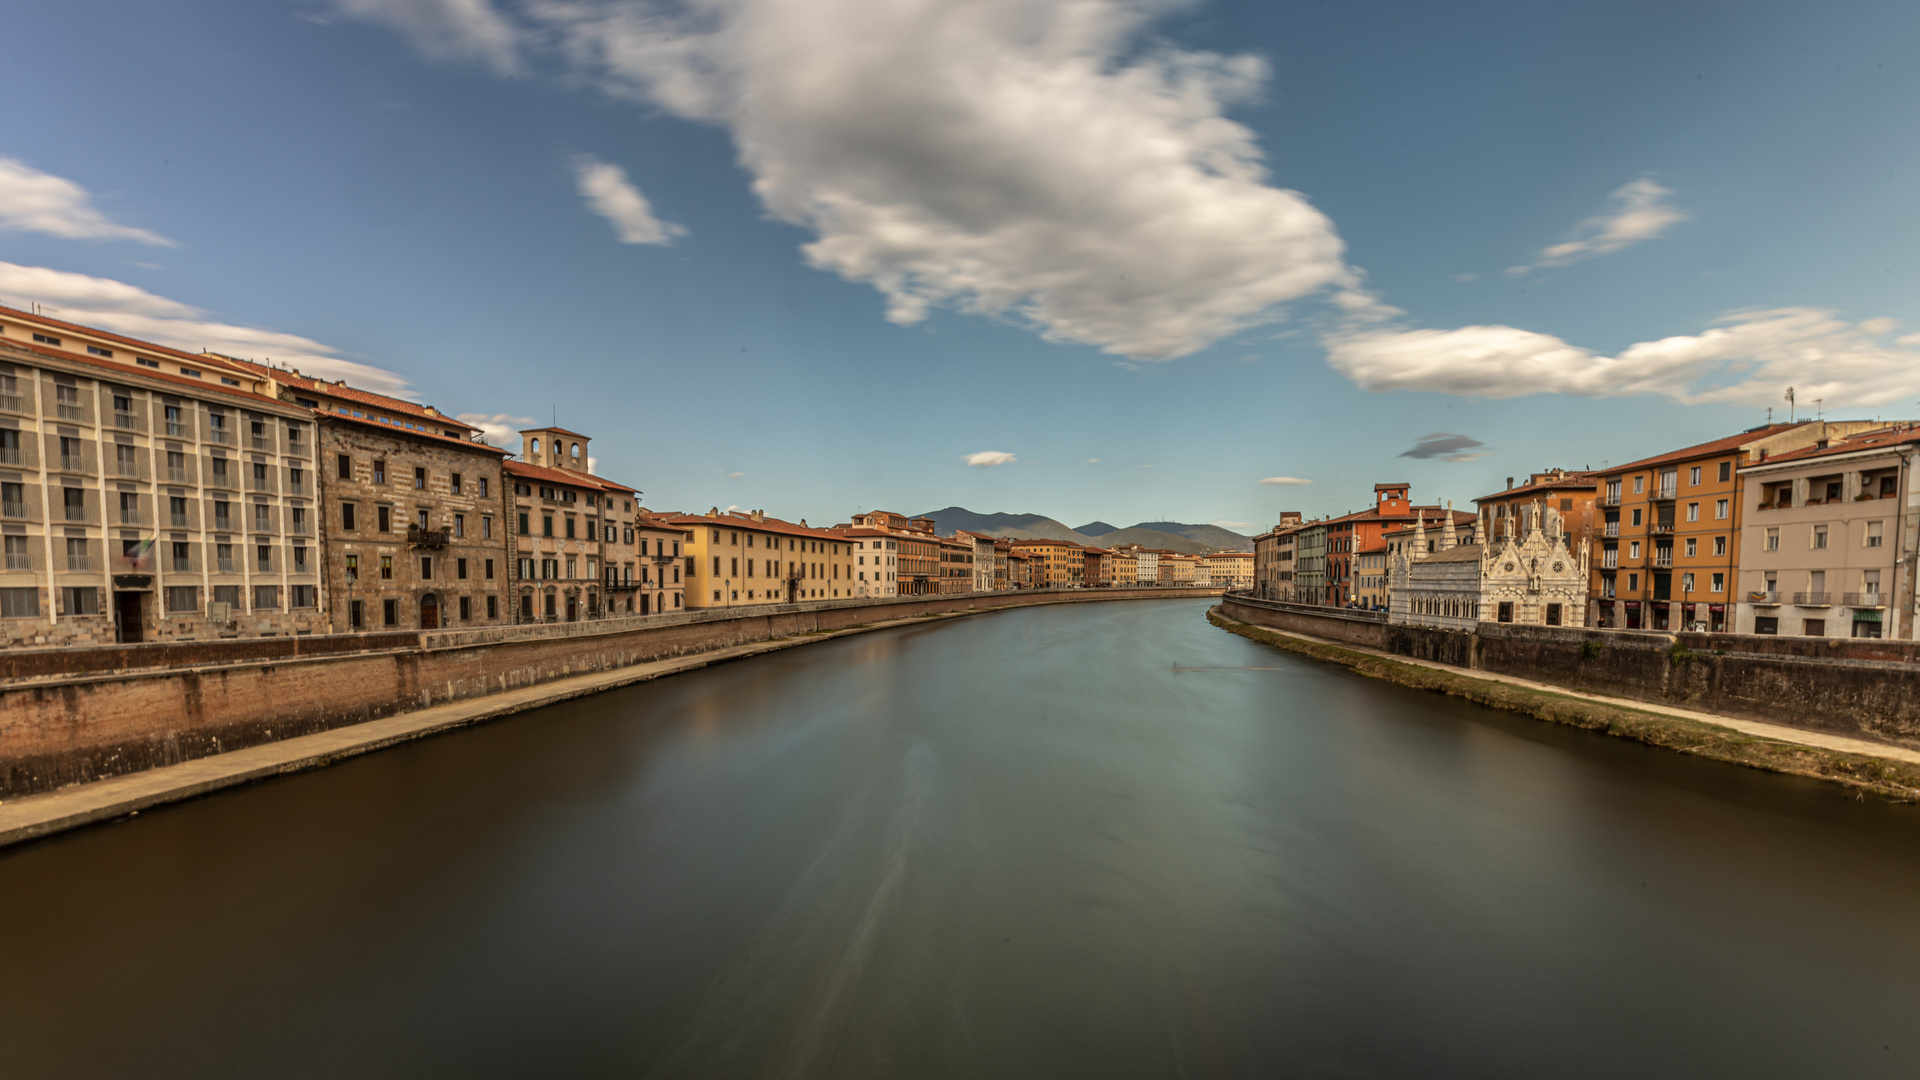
(1020, 572)
(1273, 558)
(876, 557)
(148, 494)
(570, 534)
(1828, 536)
(1057, 564)
(984, 559)
(956, 564)
(1573, 495)
(736, 559)
(658, 554)
(1097, 573)
(918, 567)
(1227, 570)
(1670, 528)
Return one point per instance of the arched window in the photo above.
(576, 451)
(536, 446)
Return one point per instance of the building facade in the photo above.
(1828, 538)
(876, 556)
(1529, 575)
(736, 559)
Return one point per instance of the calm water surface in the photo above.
(1105, 840)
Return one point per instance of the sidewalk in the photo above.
(1757, 728)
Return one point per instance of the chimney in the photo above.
(759, 515)
(1509, 483)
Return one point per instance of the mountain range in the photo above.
(1170, 535)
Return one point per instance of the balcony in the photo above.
(177, 521)
(177, 476)
(1764, 598)
(1665, 493)
(1864, 600)
(1611, 498)
(1663, 557)
(70, 412)
(262, 442)
(13, 510)
(219, 434)
(72, 463)
(1612, 529)
(428, 538)
(1661, 528)
(176, 430)
(1813, 599)
(1610, 560)
(11, 403)
(125, 420)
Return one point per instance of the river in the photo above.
(1096, 840)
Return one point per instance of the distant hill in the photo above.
(1212, 536)
(1171, 535)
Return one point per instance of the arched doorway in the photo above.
(429, 612)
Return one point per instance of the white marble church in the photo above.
(1534, 578)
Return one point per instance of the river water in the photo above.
(1099, 840)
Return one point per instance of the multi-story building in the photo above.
(1829, 535)
(1020, 562)
(984, 560)
(1098, 570)
(918, 568)
(1057, 564)
(736, 559)
(1528, 575)
(1176, 567)
(1002, 576)
(956, 564)
(558, 513)
(1273, 558)
(412, 526)
(1572, 494)
(1126, 567)
(1310, 563)
(1670, 529)
(876, 556)
(1227, 570)
(148, 494)
(659, 556)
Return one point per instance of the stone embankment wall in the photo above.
(72, 715)
(1857, 687)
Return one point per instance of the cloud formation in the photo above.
(459, 30)
(1024, 159)
(1447, 447)
(128, 309)
(1638, 210)
(1225, 524)
(500, 429)
(33, 201)
(1748, 360)
(989, 458)
(611, 195)
(1285, 481)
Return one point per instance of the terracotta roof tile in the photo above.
(1705, 449)
(128, 375)
(739, 521)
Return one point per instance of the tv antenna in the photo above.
(1790, 404)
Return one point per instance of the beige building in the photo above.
(737, 559)
(148, 494)
(658, 556)
(576, 537)
(984, 559)
(1177, 568)
(1827, 538)
(1225, 570)
(876, 557)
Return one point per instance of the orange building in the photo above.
(1057, 564)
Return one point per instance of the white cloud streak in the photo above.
(1748, 360)
(500, 429)
(457, 30)
(611, 195)
(135, 312)
(1638, 210)
(1285, 481)
(34, 201)
(988, 458)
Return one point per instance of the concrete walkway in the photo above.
(1759, 728)
(56, 811)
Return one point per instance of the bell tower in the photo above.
(555, 448)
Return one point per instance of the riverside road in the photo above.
(1093, 840)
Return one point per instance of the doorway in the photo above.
(127, 618)
(573, 608)
(429, 612)
(643, 603)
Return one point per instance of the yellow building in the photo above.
(738, 559)
(1057, 564)
(1176, 568)
(1226, 569)
(1125, 568)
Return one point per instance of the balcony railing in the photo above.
(1813, 599)
(70, 412)
(72, 463)
(12, 509)
(1864, 599)
(176, 429)
(1612, 529)
(125, 420)
(11, 403)
(1610, 499)
(10, 455)
(178, 476)
(219, 434)
(177, 521)
(1610, 561)
(19, 560)
(1661, 528)
(428, 538)
(262, 442)
(1663, 557)
(1765, 597)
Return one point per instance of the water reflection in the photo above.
(1106, 840)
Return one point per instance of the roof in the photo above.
(734, 520)
(561, 476)
(555, 430)
(1051, 543)
(374, 422)
(651, 520)
(1456, 553)
(1706, 449)
(976, 535)
(1585, 481)
(1460, 517)
(1877, 439)
(295, 380)
(131, 343)
(128, 375)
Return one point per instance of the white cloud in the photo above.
(611, 195)
(1638, 210)
(1093, 461)
(1015, 158)
(1225, 524)
(988, 458)
(128, 309)
(469, 30)
(33, 201)
(735, 475)
(1749, 359)
(1285, 481)
(500, 429)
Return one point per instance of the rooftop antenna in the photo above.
(1790, 404)
(1817, 413)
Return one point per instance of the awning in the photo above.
(1866, 616)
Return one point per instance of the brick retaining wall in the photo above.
(68, 716)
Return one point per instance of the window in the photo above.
(1720, 509)
(77, 555)
(1814, 627)
(263, 558)
(390, 612)
(459, 524)
(182, 558)
(569, 526)
(386, 568)
(1693, 511)
(487, 569)
(46, 340)
(379, 471)
(420, 518)
(183, 598)
(419, 478)
(1639, 484)
(493, 607)
(1772, 542)
(1636, 516)
(466, 610)
(220, 477)
(266, 598)
(262, 518)
(546, 524)
(483, 486)
(303, 596)
(1719, 545)
(1633, 583)
(1686, 583)
(486, 526)
(1766, 624)
(353, 569)
(1693, 547)
(453, 482)
(426, 567)
(223, 554)
(1633, 550)
(1819, 537)
(384, 514)
(1693, 476)
(460, 569)
(1873, 533)
(1719, 583)
(300, 559)
(20, 603)
(129, 508)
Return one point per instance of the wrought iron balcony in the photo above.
(1864, 599)
(428, 538)
(1609, 499)
(1661, 528)
(1813, 599)
(1764, 598)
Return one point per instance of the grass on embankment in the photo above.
(1896, 780)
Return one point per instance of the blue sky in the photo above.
(811, 256)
